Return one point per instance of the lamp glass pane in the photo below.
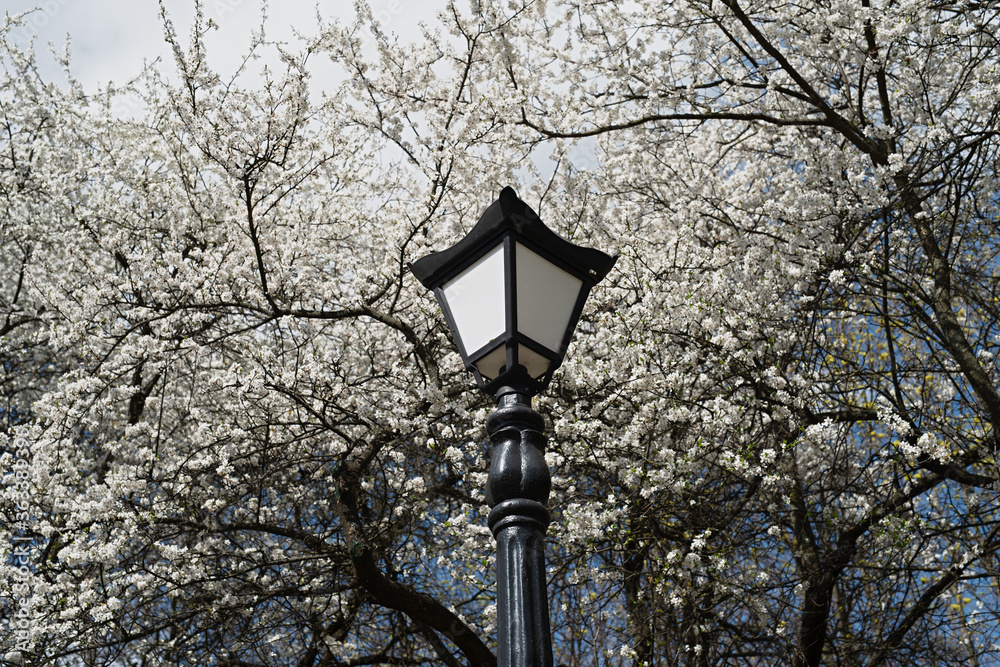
(546, 296)
(490, 364)
(536, 364)
(476, 299)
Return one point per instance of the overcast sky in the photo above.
(111, 38)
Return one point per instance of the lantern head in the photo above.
(512, 292)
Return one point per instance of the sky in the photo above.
(110, 39)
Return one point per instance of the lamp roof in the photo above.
(509, 212)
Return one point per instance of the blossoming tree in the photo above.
(773, 441)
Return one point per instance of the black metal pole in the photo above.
(517, 490)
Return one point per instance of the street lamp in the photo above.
(512, 292)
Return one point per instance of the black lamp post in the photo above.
(512, 291)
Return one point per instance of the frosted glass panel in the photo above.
(476, 300)
(489, 366)
(534, 362)
(546, 296)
